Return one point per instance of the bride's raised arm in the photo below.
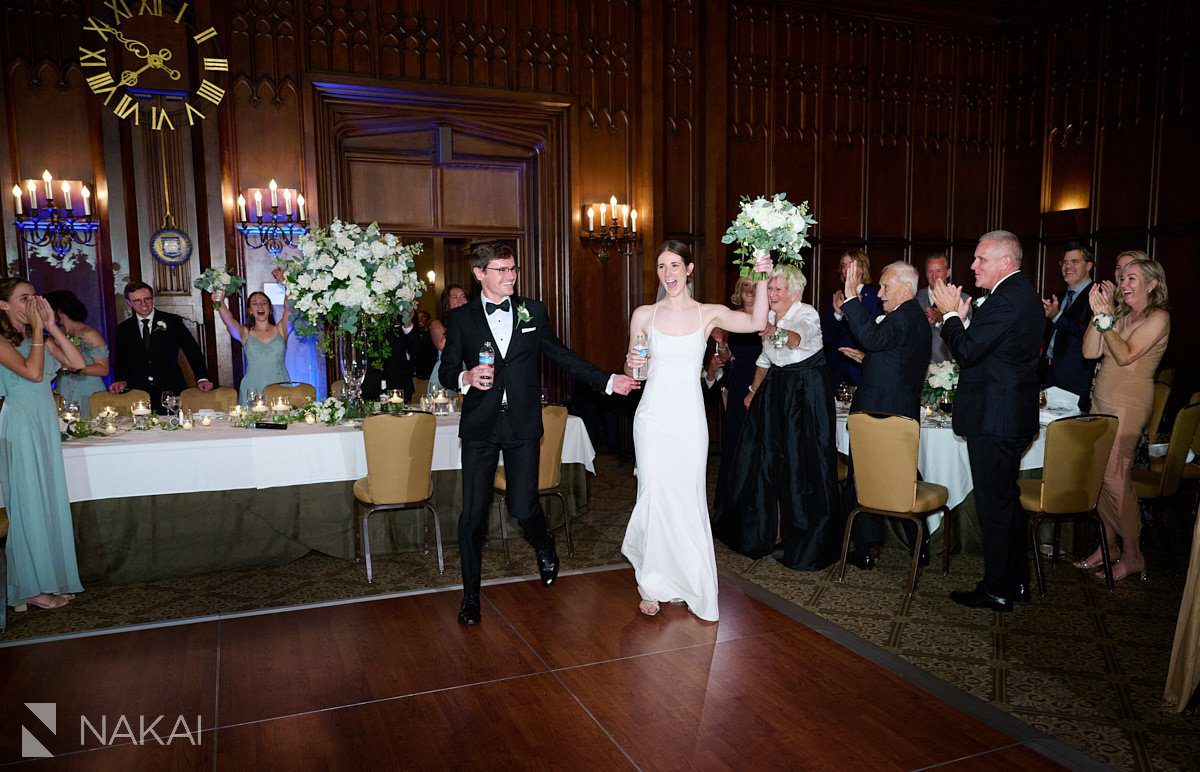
(732, 320)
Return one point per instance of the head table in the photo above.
(157, 504)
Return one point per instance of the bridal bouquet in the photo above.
(941, 381)
(356, 280)
(219, 280)
(769, 225)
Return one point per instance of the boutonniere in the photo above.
(523, 313)
(879, 319)
(160, 325)
(977, 302)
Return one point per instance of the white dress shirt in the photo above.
(801, 319)
(967, 322)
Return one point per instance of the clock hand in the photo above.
(130, 77)
(158, 62)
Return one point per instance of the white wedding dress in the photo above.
(669, 540)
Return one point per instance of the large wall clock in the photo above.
(136, 58)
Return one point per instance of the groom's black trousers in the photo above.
(479, 460)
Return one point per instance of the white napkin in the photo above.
(1061, 399)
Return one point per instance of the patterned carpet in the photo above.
(1083, 665)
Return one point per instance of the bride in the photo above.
(668, 540)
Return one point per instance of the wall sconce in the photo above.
(610, 226)
(60, 228)
(432, 277)
(277, 229)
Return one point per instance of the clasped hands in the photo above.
(1102, 297)
(949, 299)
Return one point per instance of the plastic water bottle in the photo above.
(641, 350)
(383, 396)
(487, 356)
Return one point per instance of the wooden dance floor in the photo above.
(569, 677)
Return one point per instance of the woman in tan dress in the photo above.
(1132, 337)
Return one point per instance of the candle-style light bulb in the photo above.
(591, 219)
(287, 201)
(432, 276)
(274, 197)
(16, 191)
(300, 205)
(242, 207)
(66, 189)
(258, 203)
(31, 186)
(624, 215)
(47, 179)
(602, 208)
(633, 215)
(612, 202)
(87, 200)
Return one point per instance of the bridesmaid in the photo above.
(1132, 336)
(79, 385)
(264, 341)
(42, 570)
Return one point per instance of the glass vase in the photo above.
(352, 360)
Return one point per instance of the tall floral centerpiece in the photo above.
(773, 225)
(941, 381)
(356, 283)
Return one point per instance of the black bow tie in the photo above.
(502, 305)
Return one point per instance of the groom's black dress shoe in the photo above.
(863, 560)
(468, 612)
(979, 598)
(547, 561)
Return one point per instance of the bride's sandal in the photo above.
(648, 607)
(44, 601)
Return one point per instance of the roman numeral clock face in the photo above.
(136, 57)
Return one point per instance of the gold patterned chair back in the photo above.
(122, 403)
(554, 424)
(297, 394)
(336, 386)
(221, 399)
(884, 450)
(1183, 435)
(1161, 392)
(1077, 451)
(420, 386)
(399, 457)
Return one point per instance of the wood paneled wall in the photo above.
(911, 127)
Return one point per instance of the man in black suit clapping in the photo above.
(148, 346)
(996, 407)
(502, 408)
(894, 356)
(1066, 322)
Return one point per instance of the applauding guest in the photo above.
(996, 407)
(894, 354)
(264, 341)
(41, 541)
(833, 326)
(937, 268)
(1064, 364)
(1132, 337)
(79, 385)
(148, 346)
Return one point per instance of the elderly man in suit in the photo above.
(148, 346)
(894, 356)
(1067, 320)
(937, 268)
(996, 407)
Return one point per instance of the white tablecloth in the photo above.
(942, 457)
(221, 458)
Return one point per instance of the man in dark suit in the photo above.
(148, 346)
(397, 369)
(502, 408)
(835, 332)
(1064, 365)
(996, 407)
(894, 356)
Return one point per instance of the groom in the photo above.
(502, 409)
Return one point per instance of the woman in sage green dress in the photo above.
(263, 340)
(42, 570)
(80, 385)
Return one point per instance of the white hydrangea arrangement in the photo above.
(356, 280)
(941, 381)
(772, 225)
(219, 280)
(330, 412)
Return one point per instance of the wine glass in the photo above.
(170, 402)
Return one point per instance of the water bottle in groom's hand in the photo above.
(487, 356)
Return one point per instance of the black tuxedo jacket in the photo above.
(397, 369)
(998, 361)
(897, 356)
(517, 372)
(1065, 366)
(155, 367)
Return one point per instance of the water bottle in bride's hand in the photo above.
(487, 356)
(640, 349)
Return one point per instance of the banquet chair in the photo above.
(1077, 452)
(1191, 469)
(554, 425)
(420, 388)
(1162, 393)
(122, 403)
(1161, 480)
(399, 476)
(297, 394)
(221, 399)
(335, 386)
(884, 451)
(3, 568)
